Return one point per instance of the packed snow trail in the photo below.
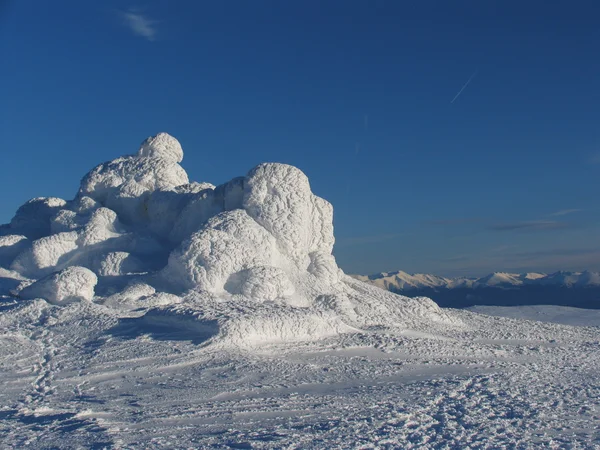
(155, 312)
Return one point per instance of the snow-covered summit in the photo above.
(402, 281)
(252, 254)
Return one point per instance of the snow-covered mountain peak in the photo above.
(402, 281)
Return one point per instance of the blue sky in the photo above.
(361, 95)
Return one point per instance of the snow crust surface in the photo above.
(154, 312)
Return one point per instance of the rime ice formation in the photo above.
(69, 285)
(162, 146)
(249, 260)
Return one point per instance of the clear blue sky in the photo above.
(358, 94)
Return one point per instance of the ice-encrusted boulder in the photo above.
(124, 183)
(33, 218)
(46, 254)
(248, 261)
(69, 285)
(10, 246)
(89, 234)
(163, 146)
(229, 243)
(279, 198)
(266, 283)
(116, 263)
(266, 228)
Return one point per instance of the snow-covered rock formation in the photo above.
(251, 257)
(69, 285)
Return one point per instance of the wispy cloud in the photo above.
(533, 225)
(564, 212)
(595, 159)
(139, 24)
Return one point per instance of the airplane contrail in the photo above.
(465, 86)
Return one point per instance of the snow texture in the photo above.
(155, 312)
(69, 285)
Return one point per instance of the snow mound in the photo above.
(270, 189)
(262, 282)
(33, 218)
(69, 285)
(251, 257)
(10, 246)
(242, 322)
(230, 242)
(162, 146)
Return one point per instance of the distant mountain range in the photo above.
(403, 281)
(581, 289)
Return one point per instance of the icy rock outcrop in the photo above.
(116, 263)
(261, 282)
(229, 243)
(10, 281)
(163, 146)
(279, 198)
(267, 229)
(206, 204)
(69, 285)
(10, 246)
(124, 183)
(249, 260)
(33, 218)
(46, 255)
(90, 233)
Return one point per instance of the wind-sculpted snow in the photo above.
(162, 146)
(69, 285)
(229, 243)
(10, 247)
(275, 191)
(33, 218)
(139, 236)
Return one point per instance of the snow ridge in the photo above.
(402, 281)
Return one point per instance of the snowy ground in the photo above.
(80, 377)
(545, 313)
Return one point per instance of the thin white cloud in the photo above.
(139, 24)
(464, 87)
(564, 212)
(595, 159)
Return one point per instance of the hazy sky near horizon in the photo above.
(451, 137)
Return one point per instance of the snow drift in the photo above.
(252, 257)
